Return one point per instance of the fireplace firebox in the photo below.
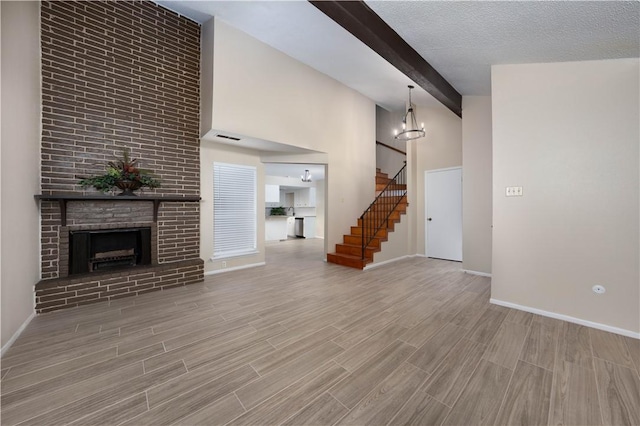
(107, 249)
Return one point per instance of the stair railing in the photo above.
(377, 215)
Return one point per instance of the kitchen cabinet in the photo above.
(272, 195)
(305, 197)
(275, 228)
(291, 223)
(309, 227)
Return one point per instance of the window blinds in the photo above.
(234, 210)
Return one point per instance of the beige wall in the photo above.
(262, 93)
(387, 160)
(568, 134)
(210, 153)
(476, 189)
(440, 148)
(20, 156)
(320, 202)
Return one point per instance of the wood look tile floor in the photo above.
(302, 342)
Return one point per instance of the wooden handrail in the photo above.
(390, 147)
(378, 213)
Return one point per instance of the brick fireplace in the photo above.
(118, 75)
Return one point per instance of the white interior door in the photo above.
(443, 218)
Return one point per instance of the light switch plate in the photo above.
(513, 191)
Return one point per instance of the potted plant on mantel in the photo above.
(122, 174)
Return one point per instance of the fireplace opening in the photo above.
(100, 250)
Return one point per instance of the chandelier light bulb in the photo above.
(410, 129)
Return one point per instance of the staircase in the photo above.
(375, 224)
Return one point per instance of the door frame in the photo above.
(424, 220)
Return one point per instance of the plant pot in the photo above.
(128, 186)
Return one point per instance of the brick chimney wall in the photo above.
(115, 75)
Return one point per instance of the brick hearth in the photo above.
(118, 75)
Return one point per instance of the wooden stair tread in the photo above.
(347, 260)
(349, 252)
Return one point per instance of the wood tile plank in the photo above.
(12, 383)
(117, 413)
(619, 393)
(218, 413)
(610, 347)
(278, 358)
(425, 330)
(365, 330)
(429, 355)
(199, 377)
(540, 347)
(421, 410)
(468, 317)
(574, 345)
(41, 357)
(450, 378)
(519, 317)
(264, 318)
(289, 401)
(188, 334)
(303, 328)
(574, 396)
(528, 396)
(47, 402)
(505, 347)
(354, 357)
(480, 402)
(205, 345)
(487, 326)
(325, 410)
(183, 405)
(356, 386)
(94, 400)
(234, 352)
(634, 350)
(387, 398)
(263, 388)
(79, 375)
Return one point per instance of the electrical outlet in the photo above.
(513, 191)
(224, 264)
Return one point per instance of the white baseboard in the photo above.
(235, 268)
(567, 318)
(384, 262)
(482, 274)
(15, 336)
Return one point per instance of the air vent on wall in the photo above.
(227, 137)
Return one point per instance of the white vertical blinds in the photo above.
(234, 210)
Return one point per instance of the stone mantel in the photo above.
(63, 199)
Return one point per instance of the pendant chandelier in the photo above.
(306, 177)
(410, 129)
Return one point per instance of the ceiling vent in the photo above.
(231, 138)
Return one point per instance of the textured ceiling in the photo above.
(463, 39)
(460, 39)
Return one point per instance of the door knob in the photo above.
(429, 219)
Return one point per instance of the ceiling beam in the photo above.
(357, 18)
